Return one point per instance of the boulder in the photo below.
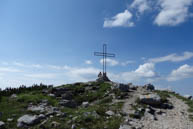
(85, 104)
(188, 97)
(110, 113)
(13, 96)
(36, 108)
(149, 87)
(55, 124)
(67, 96)
(68, 103)
(2, 124)
(28, 120)
(59, 91)
(93, 114)
(151, 99)
(10, 119)
(124, 127)
(123, 87)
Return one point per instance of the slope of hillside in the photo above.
(94, 105)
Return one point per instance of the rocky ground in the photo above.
(96, 105)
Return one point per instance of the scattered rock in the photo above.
(2, 124)
(10, 119)
(67, 96)
(28, 120)
(51, 95)
(151, 99)
(110, 113)
(188, 97)
(55, 124)
(124, 127)
(36, 108)
(123, 87)
(85, 104)
(73, 126)
(68, 103)
(13, 96)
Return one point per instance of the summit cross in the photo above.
(104, 54)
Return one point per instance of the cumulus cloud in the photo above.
(173, 12)
(184, 71)
(122, 19)
(141, 5)
(172, 58)
(145, 71)
(110, 62)
(167, 13)
(88, 62)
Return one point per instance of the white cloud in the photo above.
(88, 62)
(141, 5)
(146, 70)
(8, 69)
(172, 58)
(27, 65)
(173, 12)
(127, 62)
(184, 71)
(143, 72)
(41, 75)
(110, 62)
(83, 74)
(120, 20)
(56, 67)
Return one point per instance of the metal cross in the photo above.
(104, 54)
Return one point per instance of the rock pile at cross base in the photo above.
(100, 105)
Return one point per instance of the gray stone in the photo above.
(68, 103)
(110, 113)
(9, 119)
(188, 96)
(51, 95)
(55, 124)
(123, 87)
(67, 96)
(36, 108)
(2, 124)
(13, 96)
(27, 120)
(85, 104)
(151, 99)
(73, 126)
(124, 127)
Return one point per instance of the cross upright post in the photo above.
(104, 54)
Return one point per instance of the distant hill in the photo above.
(94, 105)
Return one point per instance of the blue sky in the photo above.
(53, 41)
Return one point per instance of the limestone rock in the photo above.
(13, 96)
(151, 99)
(28, 120)
(85, 104)
(110, 113)
(2, 124)
(68, 103)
